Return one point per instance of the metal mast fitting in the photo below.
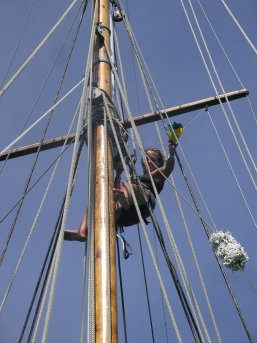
(104, 215)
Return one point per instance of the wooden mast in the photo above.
(104, 215)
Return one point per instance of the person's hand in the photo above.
(172, 147)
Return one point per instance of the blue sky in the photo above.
(174, 62)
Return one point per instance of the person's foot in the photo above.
(73, 235)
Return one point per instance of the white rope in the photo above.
(228, 59)
(239, 26)
(83, 302)
(179, 193)
(107, 225)
(180, 264)
(36, 217)
(90, 239)
(189, 290)
(13, 78)
(66, 206)
(193, 119)
(228, 102)
(195, 261)
(41, 118)
(172, 241)
(179, 144)
(143, 224)
(42, 305)
(40, 92)
(232, 170)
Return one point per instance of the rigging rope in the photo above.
(228, 102)
(18, 43)
(33, 54)
(44, 133)
(232, 170)
(114, 72)
(122, 294)
(163, 309)
(176, 281)
(219, 264)
(146, 286)
(228, 59)
(37, 181)
(34, 224)
(140, 216)
(239, 26)
(51, 246)
(107, 226)
(42, 117)
(213, 84)
(84, 103)
(48, 76)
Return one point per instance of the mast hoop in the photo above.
(99, 60)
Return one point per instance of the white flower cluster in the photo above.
(229, 250)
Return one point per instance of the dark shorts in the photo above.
(129, 217)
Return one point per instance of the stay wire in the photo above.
(141, 219)
(51, 246)
(163, 308)
(49, 74)
(38, 48)
(186, 307)
(18, 43)
(55, 236)
(182, 297)
(232, 171)
(228, 59)
(220, 266)
(216, 91)
(219, 263)
(122, 294)
(239, 27)
(146, 286)
(34, 163)
(37, 181)
(201, 220)
(22, 254)
(41, 90)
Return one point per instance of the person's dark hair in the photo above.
(160, 159)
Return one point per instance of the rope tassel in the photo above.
(229, 250)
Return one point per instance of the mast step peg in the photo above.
(175, 132)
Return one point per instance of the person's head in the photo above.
(154, 158)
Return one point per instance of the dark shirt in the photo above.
(159, 184)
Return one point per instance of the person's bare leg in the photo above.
(79, 235)
(123, 197)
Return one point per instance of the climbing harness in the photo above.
(127, 250)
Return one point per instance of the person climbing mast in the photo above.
(125, 211)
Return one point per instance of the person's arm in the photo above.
(170, 162)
